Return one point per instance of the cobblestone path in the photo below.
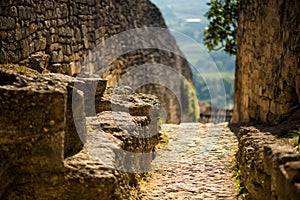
(195, 164)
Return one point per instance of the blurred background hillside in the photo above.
(187, 17)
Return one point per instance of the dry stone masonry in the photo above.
(269, 168)
(267, 90)
(267, 85)
(57, 36)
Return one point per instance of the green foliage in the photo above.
(221, 31)
(21, 70)
(146, 176)
(160, 122)
(291, 137)
(203, 93)
(164, 140)
(237, 176)
(297, 134)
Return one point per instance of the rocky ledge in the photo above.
(51, 148)
(269, 166)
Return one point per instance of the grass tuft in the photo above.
(237, 175)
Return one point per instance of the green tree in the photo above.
(222, 28)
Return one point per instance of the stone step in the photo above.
(44, 138)
(81, 94)
(87, 178)
(83, 177)
(124, 99)
(32, 129)
(136, 133)
(93, 88)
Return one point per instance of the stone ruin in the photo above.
(52, 148)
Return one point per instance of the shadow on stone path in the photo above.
(195, 164)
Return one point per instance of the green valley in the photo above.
(187, 17)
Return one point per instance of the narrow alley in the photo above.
(196, 164)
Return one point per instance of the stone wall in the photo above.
(267, 86)
(57, 36)
(269, 168)
(49, 149)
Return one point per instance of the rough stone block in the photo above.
(32, 132)
(93, 88)
(75, 119)
(118, 140)
(123, 99)
(38, 61)
(83, 178)
(7, 23)
(75, 129)
(63, 68)
(57, 56)
(268, 168)
(24, 13)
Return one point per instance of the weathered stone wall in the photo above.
(269, 168)
(56, 36)
(267, 83)
(49, 149)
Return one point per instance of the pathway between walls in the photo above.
(196, 164)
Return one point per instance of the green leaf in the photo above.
(221, 31)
